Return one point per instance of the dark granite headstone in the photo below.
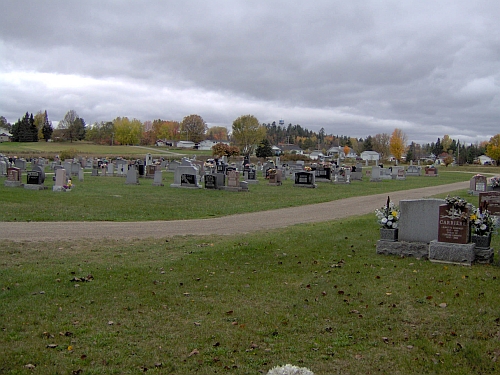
(493, 200)
(453, 224)
(210, 181)
(188, 180)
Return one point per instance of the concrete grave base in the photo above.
(35, 187)
(185, 186)
(306, 185)
(252, 181)
(59, 188)
(13, 184)
(419, 250)
(445, 252)
(483, 256)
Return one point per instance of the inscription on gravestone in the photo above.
(210, 181)
(493, 200)
(453, 224)
(188, 179)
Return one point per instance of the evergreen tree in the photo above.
(47, 128)
(264, 150)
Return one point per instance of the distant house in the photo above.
(315, 155)
(335, 151)
(291, 149)
(207, 144)
(5, 136)
(485, 160)
(185, 144)
(370, 155)
(276, 150)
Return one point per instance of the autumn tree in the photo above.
(73, 126)
(247, 132)
(446, 143)
(194, 127)
(217, 133)
(397, 143)
(100, 133)
(380, 143)
(164, 129)
(493, 148)
(222, 149)
(127, 132)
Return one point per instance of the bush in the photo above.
(70, 153)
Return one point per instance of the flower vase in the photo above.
(482, 241)
(388, 234)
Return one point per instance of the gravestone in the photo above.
(80, 174)
(453, 244)
(3, 168)
(14, 176)
(492, 198)
(132, 176)
(110, 170)
(35, 179)
(149, 159)
(275, 177)
(375, 175)
(61, 180)
(121, 167)
(323, 173)
(172, 166)
(477, 184)
(385, 174)
(221, 180)
(21, 164)
(185, 175)
(233, 181)
(210, 181)
(305, 179)
(157, 181)
(431, 171)
(413, 170)
(150, 171)
(357, 172)
(251, 176)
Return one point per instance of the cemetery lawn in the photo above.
(315, 295)
(109, 199)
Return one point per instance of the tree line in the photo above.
(247, 134)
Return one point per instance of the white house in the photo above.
(483, 159)
(4, 136)
(315, 155)
(185, 144)
(370, 155)
(207, 144)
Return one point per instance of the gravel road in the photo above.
(234, 224)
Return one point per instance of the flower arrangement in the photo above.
(456, 202)
(388, 215)
(495, 182)
(289, 370)
(482, 223)
(308, 169)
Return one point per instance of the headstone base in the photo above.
(13, 184)
(252, 181)
(483, 256)
(59, 188)
(341, 182)
(275, 184)
(185, 186)
(419, 250)
(446, 252)
(35, 187)
(311, 186)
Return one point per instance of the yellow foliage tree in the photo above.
(247, 132)
(397, 143)
(493, 148)
(127, 132)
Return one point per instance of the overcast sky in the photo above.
(357, 67)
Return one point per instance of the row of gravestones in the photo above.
(35, 179)
(431, 229)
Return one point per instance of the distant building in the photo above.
(485, 160)
(317, 154)
(185, 144)
(207, 144)
(370, 155)
(5, 136)
(291, 149)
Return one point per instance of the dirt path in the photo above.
(234, 224)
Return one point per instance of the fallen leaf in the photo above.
(52, 346)
(428, 297)
(30, 366)
(385, 339)
(110, 323)
(194, 352)
(197, 324)
(443, 305)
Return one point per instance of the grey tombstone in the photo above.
(172, 166)
(3, 168)
(186, 176)
(419, 220)
(61, 180)
(158, 178)
(149, 159)
(132, 177)
(111, 170)
(375, 175)
(413, 170)
(80, 174)
(492, 198)
(477, 184)
(21, 164)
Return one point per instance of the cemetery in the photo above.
(332, 278)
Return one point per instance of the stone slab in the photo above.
(419, 220)
(419, 250)
(453, 253)
(35, 187)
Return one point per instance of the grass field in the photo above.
(316, 296)
(109, 199)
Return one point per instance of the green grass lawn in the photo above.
(110, 199)
(316, 296)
